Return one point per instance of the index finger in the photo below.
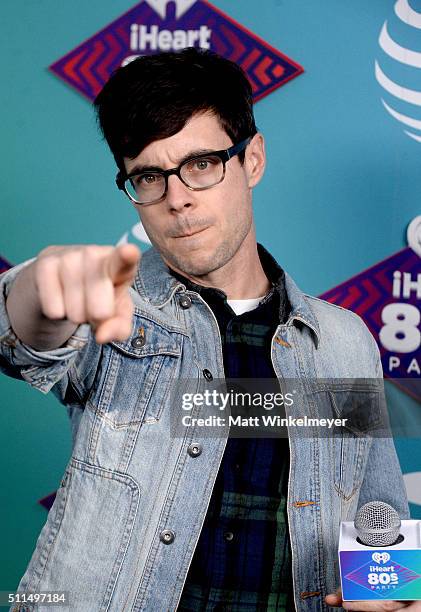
(122, 263)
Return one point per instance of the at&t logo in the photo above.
(398, 73)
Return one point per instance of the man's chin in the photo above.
(192, 268)
(201, 261)
(196, 264)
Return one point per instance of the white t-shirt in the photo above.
(241, 306)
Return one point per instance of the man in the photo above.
(145, 519)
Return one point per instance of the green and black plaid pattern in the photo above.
(242, 560)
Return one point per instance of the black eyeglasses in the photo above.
(196, 173)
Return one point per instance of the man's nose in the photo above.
(178, 195)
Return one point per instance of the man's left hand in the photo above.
(335, 600)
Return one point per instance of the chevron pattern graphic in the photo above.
(367, 294)
(140, 31)
(4, 264)
(47, 501)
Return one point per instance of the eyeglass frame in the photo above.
(224, 154)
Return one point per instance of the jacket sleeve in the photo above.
(68, 371)
(383, 479)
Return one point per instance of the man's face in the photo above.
(198, 232)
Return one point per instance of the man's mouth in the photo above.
(188, 233)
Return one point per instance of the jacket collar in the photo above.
(298, 304)
(154, 282)
(300, 308)
(156, 285)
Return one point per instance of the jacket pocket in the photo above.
(83, 544)
(134, 377)
(360, 405)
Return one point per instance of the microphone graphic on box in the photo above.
(380, 555)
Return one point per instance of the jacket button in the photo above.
(195, 449)
(138, 342)
(167, 536)
(228, 536)
(207, 374)
(185, 301)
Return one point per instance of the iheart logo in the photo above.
(380, 557)
(170, 25)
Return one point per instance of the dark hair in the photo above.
(154, 96)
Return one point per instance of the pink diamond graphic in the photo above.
(393, 281)
(162, 25)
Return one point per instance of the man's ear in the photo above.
(255, 160)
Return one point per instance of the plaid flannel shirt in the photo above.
(242, 560)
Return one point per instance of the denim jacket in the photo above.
(129, 509)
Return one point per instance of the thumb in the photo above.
(122, 263)
(334, 599)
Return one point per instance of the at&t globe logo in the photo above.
(398, 68)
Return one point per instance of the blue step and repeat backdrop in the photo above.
(337, 87)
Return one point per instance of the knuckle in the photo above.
(95, 260)
(51, 311)
(70, 261)
(93, 252)
(48, 251)
(76, 318)
(45, 265)
(75, 313)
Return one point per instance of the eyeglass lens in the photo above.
(197, 173)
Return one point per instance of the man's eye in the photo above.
(201, 164)
(149, 179)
